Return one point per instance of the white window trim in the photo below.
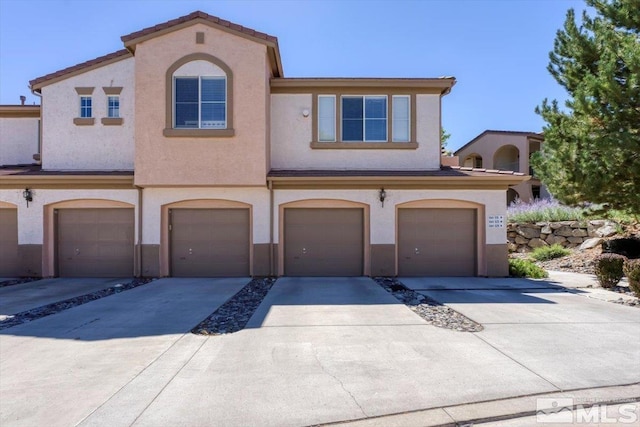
(335, 130)
(80, 98)
(109, 108)
(364, 118)
(408, 98)
(226, 101)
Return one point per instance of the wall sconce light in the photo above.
(28, 195)
(305, 113)
(383, 195)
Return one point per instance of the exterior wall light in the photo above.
(305, 113)
(28, 195)
(383, 195)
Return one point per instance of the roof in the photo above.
(133, 38)
(445, 177)
(504, 132)
(441, 85)
(83, 67)
(20, 111)
(32, 176)
(130, 40)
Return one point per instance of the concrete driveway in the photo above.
(317, 350)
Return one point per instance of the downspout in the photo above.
(139, 244)
(271, 269)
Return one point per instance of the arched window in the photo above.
(199, 97)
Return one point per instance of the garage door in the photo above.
(95, 242)
(323, 242)
(437, 242)
(8, 242)
(209, 242)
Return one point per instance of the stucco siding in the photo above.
(383, 219)
(155, 198)
(18, 140)
(68, 146)
(291, 135)
(230, 160)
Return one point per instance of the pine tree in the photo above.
(591, 150)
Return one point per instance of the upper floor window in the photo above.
(364, 118)
(113, 106)
(200, 102)
(346, 119)
(86, 108)
(199, 98)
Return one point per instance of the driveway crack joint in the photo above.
(315, 354)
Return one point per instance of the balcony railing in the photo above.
(508, 166)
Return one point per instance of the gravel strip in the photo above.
(56, 307)
(233, 315)
(430, 310)
(18, 281)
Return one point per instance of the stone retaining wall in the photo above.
(570, 234)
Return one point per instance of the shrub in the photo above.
(545, 210)
(608, 269)
(525, 268)
(545, 253)
(631, 269)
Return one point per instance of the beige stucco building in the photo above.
(506, 151)
(188, 153)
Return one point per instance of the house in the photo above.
(188, 153)
(506, 151)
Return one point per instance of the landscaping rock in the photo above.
(579, 232)
(546, 229)
(555, 225)
(521, 240)
(608, 230)
(528, 232)
(536, 243)
(575, 240)
(565, 231)
(555, 239)
(590, 243)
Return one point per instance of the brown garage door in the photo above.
(209, 242)
(8, 242)
(437, 242)
(95, 242)
(323, 242)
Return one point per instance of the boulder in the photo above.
(546, 229)
(555, 239)
(629, 247)
(590, 243)
(607, 230)
(512, 247)
(536, 243)
(574, 224)
(575, 240)
(565, 231)
(521, 240)
(579, 232)
(529, 232)
(555, 225)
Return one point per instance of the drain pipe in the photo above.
(38, 156)
(271, 269)
(139, 245)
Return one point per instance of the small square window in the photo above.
(113, 107)
(86, 110)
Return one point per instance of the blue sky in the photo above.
(497, 49)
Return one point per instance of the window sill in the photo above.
(84, 121)
(364, 145)
(111, 121)
(198, 133)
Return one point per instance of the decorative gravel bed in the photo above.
(430, 310)
(233, 315)
(56, 307)
(18, 281)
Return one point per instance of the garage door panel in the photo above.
(95, 242)
(210, 242)
(437, 242)
(8, 242)
(323, 242)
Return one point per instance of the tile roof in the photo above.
(36, 170)
(445, 171)
(199, 15)
(80, 67)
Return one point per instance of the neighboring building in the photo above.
(506, 151)
(19, 134)
(189, 153)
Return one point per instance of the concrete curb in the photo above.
(497, 410)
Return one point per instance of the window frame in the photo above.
(84, 108)
(115, 108)
(408, 119)
(319, 117)
(169, 130)
(200, 102)
(338, 92)
(364, 119)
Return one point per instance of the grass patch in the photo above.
(545, 253)
(525, 268)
